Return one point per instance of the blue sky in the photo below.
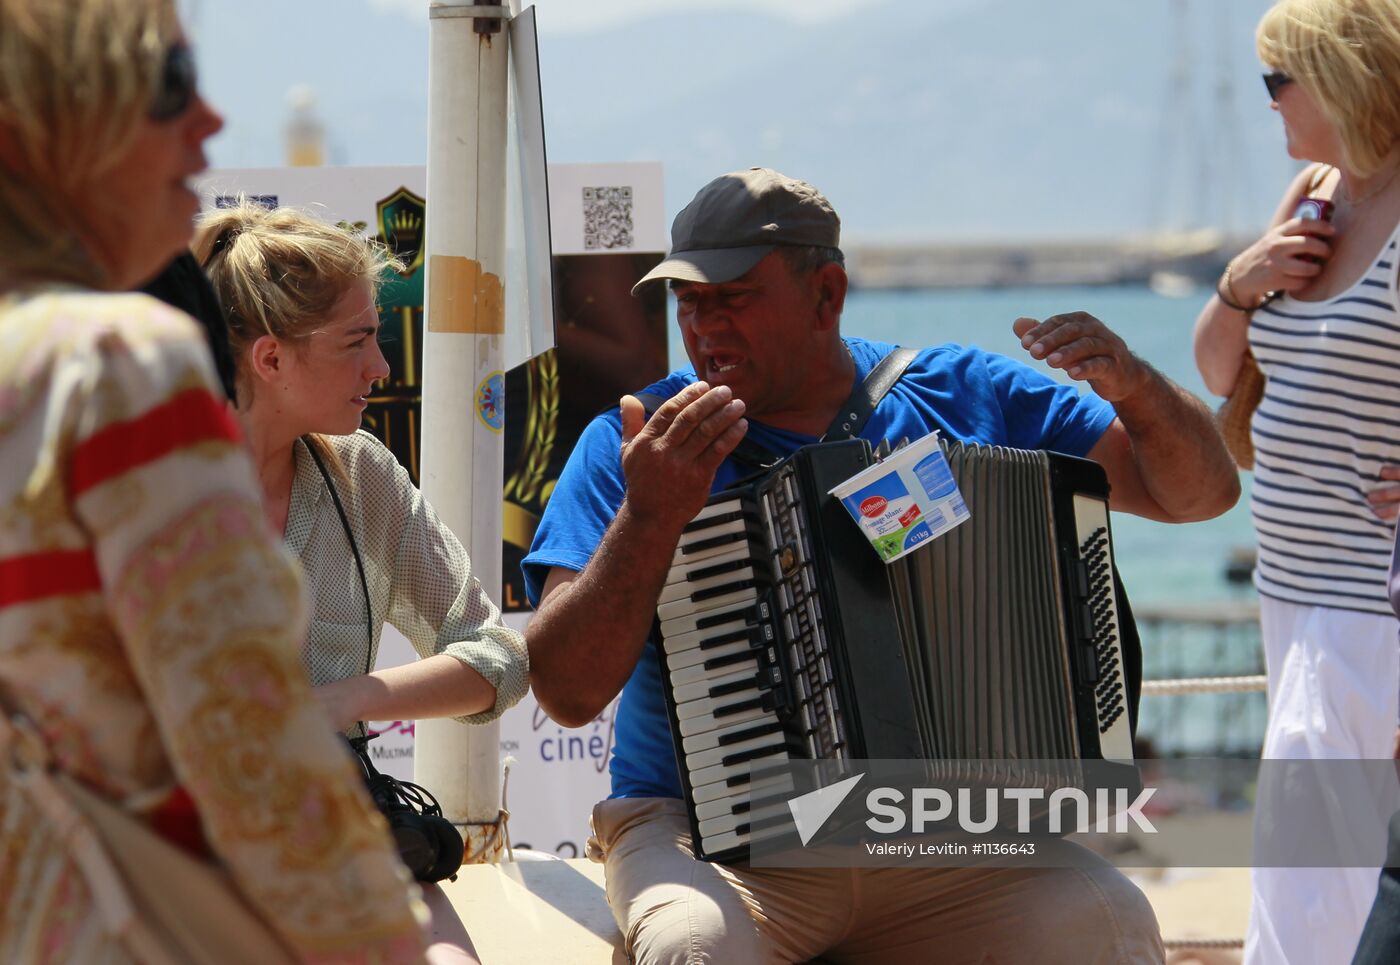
(583, 15)
(921, 119)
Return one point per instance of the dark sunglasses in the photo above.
(1275, 81)
(178, 85)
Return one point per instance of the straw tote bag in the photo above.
(1236, 412)
(163, 905)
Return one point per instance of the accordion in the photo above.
(783, 636)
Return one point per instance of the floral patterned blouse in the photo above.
(150, 626)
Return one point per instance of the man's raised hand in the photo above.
(1087, 350)
(670, 460)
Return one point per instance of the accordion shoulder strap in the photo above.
(866, 395)
(849, 421)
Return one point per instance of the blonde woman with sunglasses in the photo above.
(1315, 301)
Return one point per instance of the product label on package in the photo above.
(935, 476)
(889, 515)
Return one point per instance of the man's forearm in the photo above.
(1180, 456)
(588, 634)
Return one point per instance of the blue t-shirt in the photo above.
(965, 393)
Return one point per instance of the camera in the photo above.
(429, 844)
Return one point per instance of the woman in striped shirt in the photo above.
(1316, 304)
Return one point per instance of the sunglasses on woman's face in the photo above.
(178, 85)
(1275, 81)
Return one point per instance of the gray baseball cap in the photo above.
(737, 219)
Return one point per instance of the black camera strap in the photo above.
(428, 844)
(354, 551)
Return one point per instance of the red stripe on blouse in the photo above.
(176, 819)
(36, 576)
(190, 417)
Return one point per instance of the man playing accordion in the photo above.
(759, 281)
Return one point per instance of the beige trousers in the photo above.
(672, 908)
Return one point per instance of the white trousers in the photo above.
(1333, 682)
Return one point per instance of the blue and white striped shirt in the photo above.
(1330, 418)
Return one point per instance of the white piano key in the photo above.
(711, 738)
(693, 693)
(714, 844)
(689, 588)
(685, 624)
(681, 571)
(713, 809)
(702, 723)
(740, 596)
(698, 673)
(767, 785)
(767, 793)
(725, 841)
(688, 549)
(719, 824)
(732, 520)
(695, 656)
(719, 508)
(723, 772)
(681, 642)
(701, 760)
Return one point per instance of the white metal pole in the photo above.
(463, 382)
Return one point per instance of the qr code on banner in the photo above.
(607, 218)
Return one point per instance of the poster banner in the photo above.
(608, 229)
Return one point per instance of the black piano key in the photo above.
(729, 660)
(713, 541)
(735, 687)
(739, 736)
(738, 780)
(705, 572)
(709, 594)
(752, 755)
(730, 710)
(741, 808)
(772, 821)
(718, 619)
(724, 639)
(698, 525)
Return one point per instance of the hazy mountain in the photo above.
(920, 119)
